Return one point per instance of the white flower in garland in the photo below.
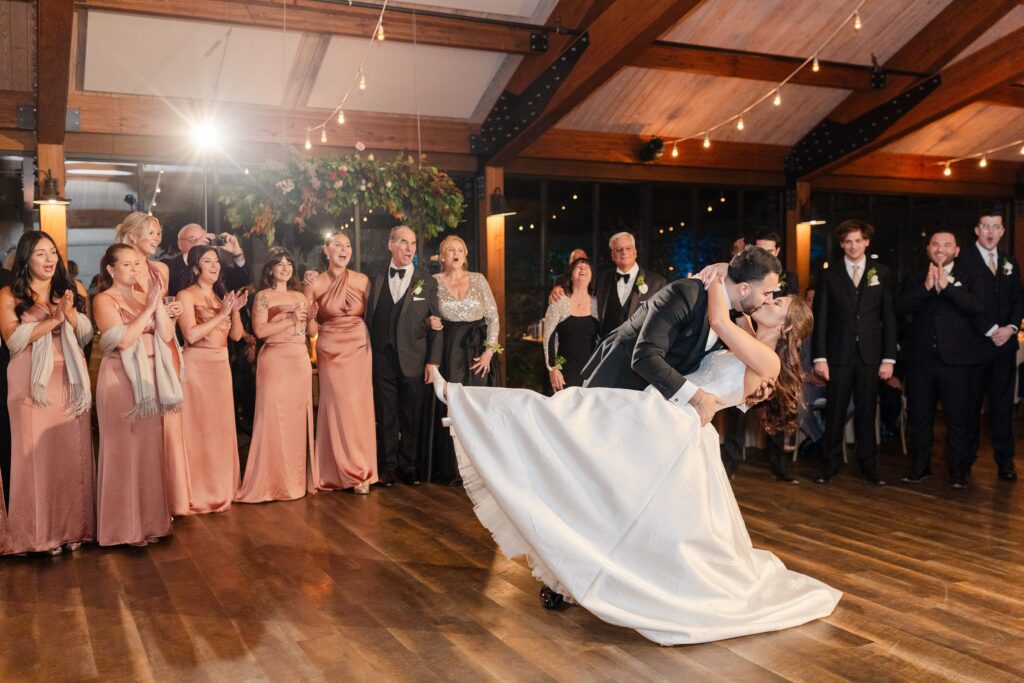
(285, 185)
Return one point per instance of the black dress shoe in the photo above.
(915, 478)
(785, 478)
(549, 599)
(958, 481)
(409, 479)
(1007, 473)
(824, 478)
(875, 479)
(386, 480)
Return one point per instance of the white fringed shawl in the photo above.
(156, 387)
(72, 340)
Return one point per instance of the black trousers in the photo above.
(995, 379)
(734, 433)
(927, 384)
(398, 404)
(859, 381)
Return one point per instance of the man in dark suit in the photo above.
(669, 334)
(621, 290)
(405, 350)
(996, 274)
(940, 351)
(789, 283)
(233, 271)
(854, 345)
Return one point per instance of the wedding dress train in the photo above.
(618, 499)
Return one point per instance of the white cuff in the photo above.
(685, 393)
(890, 361)
(992, 331)
(819, 360)
(240, 261)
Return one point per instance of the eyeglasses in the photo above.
(985, 227)
(196, 239)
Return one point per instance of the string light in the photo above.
(982, 156)
(675, 153)
(856, 21)
(308, 145)
(707, 140)
(380, 31)
(984, 161)
(778, 98)
(362, 80)
(739, 123)
(323, 136)
(341, 118)
(1022, 149)
(815, 67)
(947, 171)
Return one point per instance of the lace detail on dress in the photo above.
(476, 305)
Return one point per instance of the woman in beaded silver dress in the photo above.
(469, 316)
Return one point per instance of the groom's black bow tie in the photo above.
(400, 272)
(622, 276)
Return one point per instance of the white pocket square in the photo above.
(419, 298)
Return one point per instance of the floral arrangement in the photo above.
(422, 197)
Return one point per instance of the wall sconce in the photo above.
(498, 205)
(50, 193)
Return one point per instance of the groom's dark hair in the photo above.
(753, 264)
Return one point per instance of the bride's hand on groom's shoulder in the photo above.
(712, 273)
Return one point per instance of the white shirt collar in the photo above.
(985, 252)
(399, 267)
(948, 267)
(631, 272)
(850, 263)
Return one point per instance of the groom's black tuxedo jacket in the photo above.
(661, 342)
(415, 343)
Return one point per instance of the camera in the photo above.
(219, 240)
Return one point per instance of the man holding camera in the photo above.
(192, 235)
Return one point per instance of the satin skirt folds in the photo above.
(211, 444)
(619, 500)
(281, 459)
(6, 540)
(130, 493)
(53, 475)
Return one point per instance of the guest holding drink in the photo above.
(346, 448)
(137, 384)
(571, 328)
(282, 462)
(209, 316)
(469, 317)
(143, 232)
(53, 479)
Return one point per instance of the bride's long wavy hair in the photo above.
(781, 408)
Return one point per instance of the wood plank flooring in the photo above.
(405, 585)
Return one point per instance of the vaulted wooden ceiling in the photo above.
(139, 73)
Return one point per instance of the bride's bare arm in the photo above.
(755, 355)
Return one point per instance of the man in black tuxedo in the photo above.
(789, 282)
(405, 350)
(996, 274)
(669, 334)
(854, 345)
(940, 351)
(233, 273)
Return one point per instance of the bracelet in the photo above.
(495, 347)
(559, 363)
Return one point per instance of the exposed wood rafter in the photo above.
(309, 57)
(54, 27)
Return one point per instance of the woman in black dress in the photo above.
(571, 327)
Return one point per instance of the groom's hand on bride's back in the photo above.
(705, 403)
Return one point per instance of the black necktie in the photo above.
(623, 276)
(400, 272)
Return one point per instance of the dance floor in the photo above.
(405, 585)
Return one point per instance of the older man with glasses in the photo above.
(193, 234)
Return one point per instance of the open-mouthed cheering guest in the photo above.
(209, 315)
(138, 382)
(282, 461)
(346, 448)
(142, 231)
(53, 479)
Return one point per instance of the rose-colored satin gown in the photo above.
(346, 442)
(130, 494)
(282, 434)
(208, 413)
(53, 477)
(5, 528)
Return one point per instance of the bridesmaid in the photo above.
(142, 231)
(137, 383)
(209, 316)
(470, 321)
(346, 445)
(5, 528)
(53, 479)
(282, 462)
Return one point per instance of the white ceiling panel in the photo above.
(536, 10)
(450, 82)
(171, 58)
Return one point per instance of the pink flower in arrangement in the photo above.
(329, 195)
(334, 176)
(343, 169)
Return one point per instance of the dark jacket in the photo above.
(178, 276)
(789, 284)
(605, 288)
(417, 344)
(1001, 295)
(855, 321)
(941, 323)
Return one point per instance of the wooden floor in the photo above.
(405, 585)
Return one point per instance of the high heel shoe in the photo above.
(361, 489)
(54, 552)
(74, 546)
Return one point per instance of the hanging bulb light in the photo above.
(380, 31)
(856, 21)
(341, 117)
(815, 67)
(947, 171)
(983, 162)
(362, 80)
(247, 171)
(323, 136)
(707, 140)
(739, 123)
(308, 145)
(777, 100)
(675, 150)
(1022, 150)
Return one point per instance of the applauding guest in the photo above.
(209, 316)
(42, 318)
(571, 328)
(137, 383)
(194, 235)
(281, 463)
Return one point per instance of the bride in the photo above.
(619, 500)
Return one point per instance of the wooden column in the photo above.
(1018, 222)
(492, 248)
(53, 219)
(798, 236)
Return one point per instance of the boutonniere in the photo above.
(1007, 268)
(782, 283)
(417, 288)
(640, 284)
(952, 280)
(873, 277)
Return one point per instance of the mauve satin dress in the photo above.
(53, 476)
(208, 414)
(281, 462)
(346, 441)
(130, 494)
(5, 528)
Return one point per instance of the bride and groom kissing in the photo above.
(615, 492)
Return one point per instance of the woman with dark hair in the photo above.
(53, 479)
(281, 463)
(346, 445)
(571, 327)
(138, 382)
(209, 316)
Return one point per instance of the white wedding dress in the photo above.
(619, 501)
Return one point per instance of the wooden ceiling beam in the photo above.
(615, 38)
(54, 22)
(309, 57)
(336, 19)
(1007, 96)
